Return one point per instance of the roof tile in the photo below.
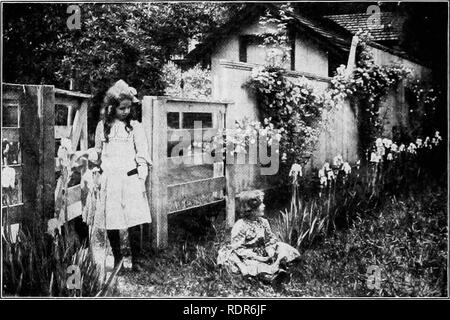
(390, 27)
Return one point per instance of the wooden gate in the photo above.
(34, 119)
(185, 179)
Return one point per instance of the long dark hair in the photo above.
(111, 104)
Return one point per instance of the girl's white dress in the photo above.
(121, 203)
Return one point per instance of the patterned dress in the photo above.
(122, 202)
(252, 240)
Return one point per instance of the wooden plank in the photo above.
(183, 100)
(62, 131)
(159, 177)
(154, 117)
(186, 106)
(308, 75)
(78, 125)
(73, 194)
(84, 126)
(73, 204)
(193, 188)
(13, 214)
(351, 56)
(230, 173)
(147, 120)
(11, 92)
(31, 143)
(218, 167)
(147, 123)
(73, 211)
(48, 173)
(40, 182)
(174, 135)
(198, 206)
(72, 93)
(188, 161)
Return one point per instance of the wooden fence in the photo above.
(183, 180)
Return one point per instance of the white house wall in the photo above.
(341, 137)
(309, 57)
(384, 58)
(394, 109)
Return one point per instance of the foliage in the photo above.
(275, 37)
(194, 83)
(426, 105)
(346, 192)
(246, 133)
(405, 238)
(130, 41)
(366, 216)
(36, 264)
(335, 267)
(294, 107)
(367, 84)
(302, 225)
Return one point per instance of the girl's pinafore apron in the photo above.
(121, 203)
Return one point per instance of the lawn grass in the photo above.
(406, 238)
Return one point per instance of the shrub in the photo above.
(193, 83)
(36, 265)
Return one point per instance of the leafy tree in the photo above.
(116, 41)
(129, 41)
(28, 30)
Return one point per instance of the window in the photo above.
(10, 117)
(253, 50)
(11, 154)
(186, 120)
(173, 120)
(333, 63)
(292, 53)
(243, 43)
(190, 117)
(61, 115)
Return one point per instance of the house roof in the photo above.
(334, 32)
(333, 38)
(330, 32)
(390, 28)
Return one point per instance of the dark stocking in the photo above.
(114, 240)
(134, 234)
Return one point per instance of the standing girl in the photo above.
(122, 146)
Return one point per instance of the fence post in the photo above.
(48, 149)
(155, 124)
(230, 172)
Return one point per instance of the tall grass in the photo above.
(36, 262)
(36, 265)
(346, 195)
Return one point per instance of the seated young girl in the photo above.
(254, 249)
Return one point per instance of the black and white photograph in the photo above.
(226, 150)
